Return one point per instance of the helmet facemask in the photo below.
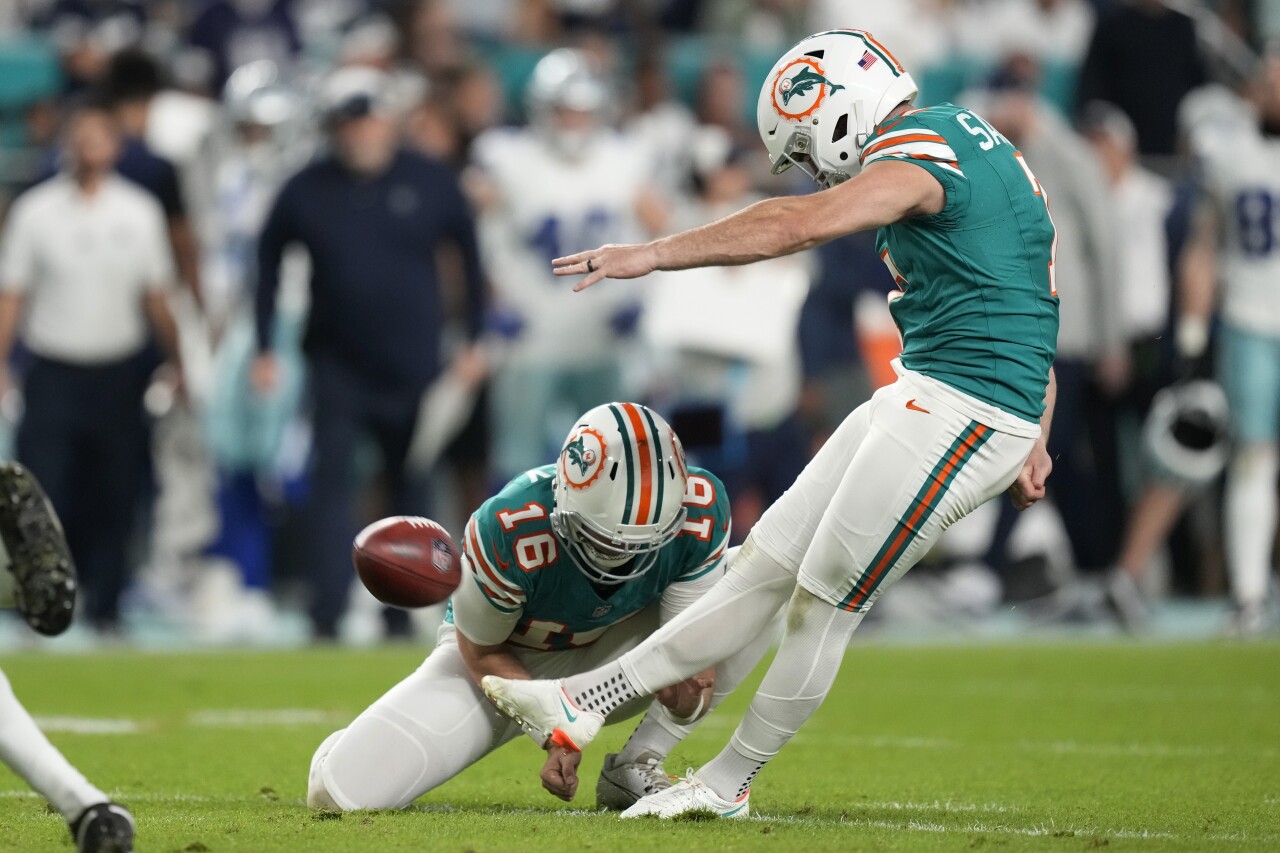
(611, 558)
(797, 151)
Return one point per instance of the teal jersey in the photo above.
(521, 565)
(976, 301)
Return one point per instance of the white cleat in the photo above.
(689, 796)
(621, 785)
(544, 711)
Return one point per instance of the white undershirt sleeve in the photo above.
(476, 616)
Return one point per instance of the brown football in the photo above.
(407, 561)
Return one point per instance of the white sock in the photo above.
(29, 754)
(714, 628)
(797, 681)
(660, 731)
(657, 734)
(1250, 520)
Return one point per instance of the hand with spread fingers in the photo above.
(612, 261)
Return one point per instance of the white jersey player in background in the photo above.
(563, 184)
(1235, 251)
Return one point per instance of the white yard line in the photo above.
(88, 725)
(207, 718)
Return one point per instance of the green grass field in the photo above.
(1060, 747)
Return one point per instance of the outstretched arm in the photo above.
(883, 193)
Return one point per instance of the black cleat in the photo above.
(104, 828)
(45, 588)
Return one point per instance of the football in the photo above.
(407, 561)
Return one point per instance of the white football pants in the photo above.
(437, 722)
(901, 468)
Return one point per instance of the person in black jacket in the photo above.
(372, 216)
(1144, 57)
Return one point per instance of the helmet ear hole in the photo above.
(841, 129)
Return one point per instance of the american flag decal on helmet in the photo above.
(868, 59)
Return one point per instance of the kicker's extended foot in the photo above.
(544, 711)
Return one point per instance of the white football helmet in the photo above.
(823, 99)
(1187, 433)
(619, 491)
(565, 79)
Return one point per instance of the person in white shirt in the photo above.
(568, 180)
(85, 272)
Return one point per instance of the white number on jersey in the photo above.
(989, 137)
(699, 491)
(557, 236)
(512, 518)
(536, 551)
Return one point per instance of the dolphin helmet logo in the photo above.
(582, 459)
(804, 82)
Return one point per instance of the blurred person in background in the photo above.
(1143, 201)
(919, 30)
(132, 79)
(445, 125)
(1092, 363)
(264, 138)
(1144, 57)
(849, 276)
(435, 44)
(732, 387)
(85, 280)
(722, 94)
(372, 216)
(662, 122)
(1231, 265)
(128, 81)
(229, 33)
(1052, 31)
(758, 25)
(87, 34)
(566, 182)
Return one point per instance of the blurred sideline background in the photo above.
(648, 126)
